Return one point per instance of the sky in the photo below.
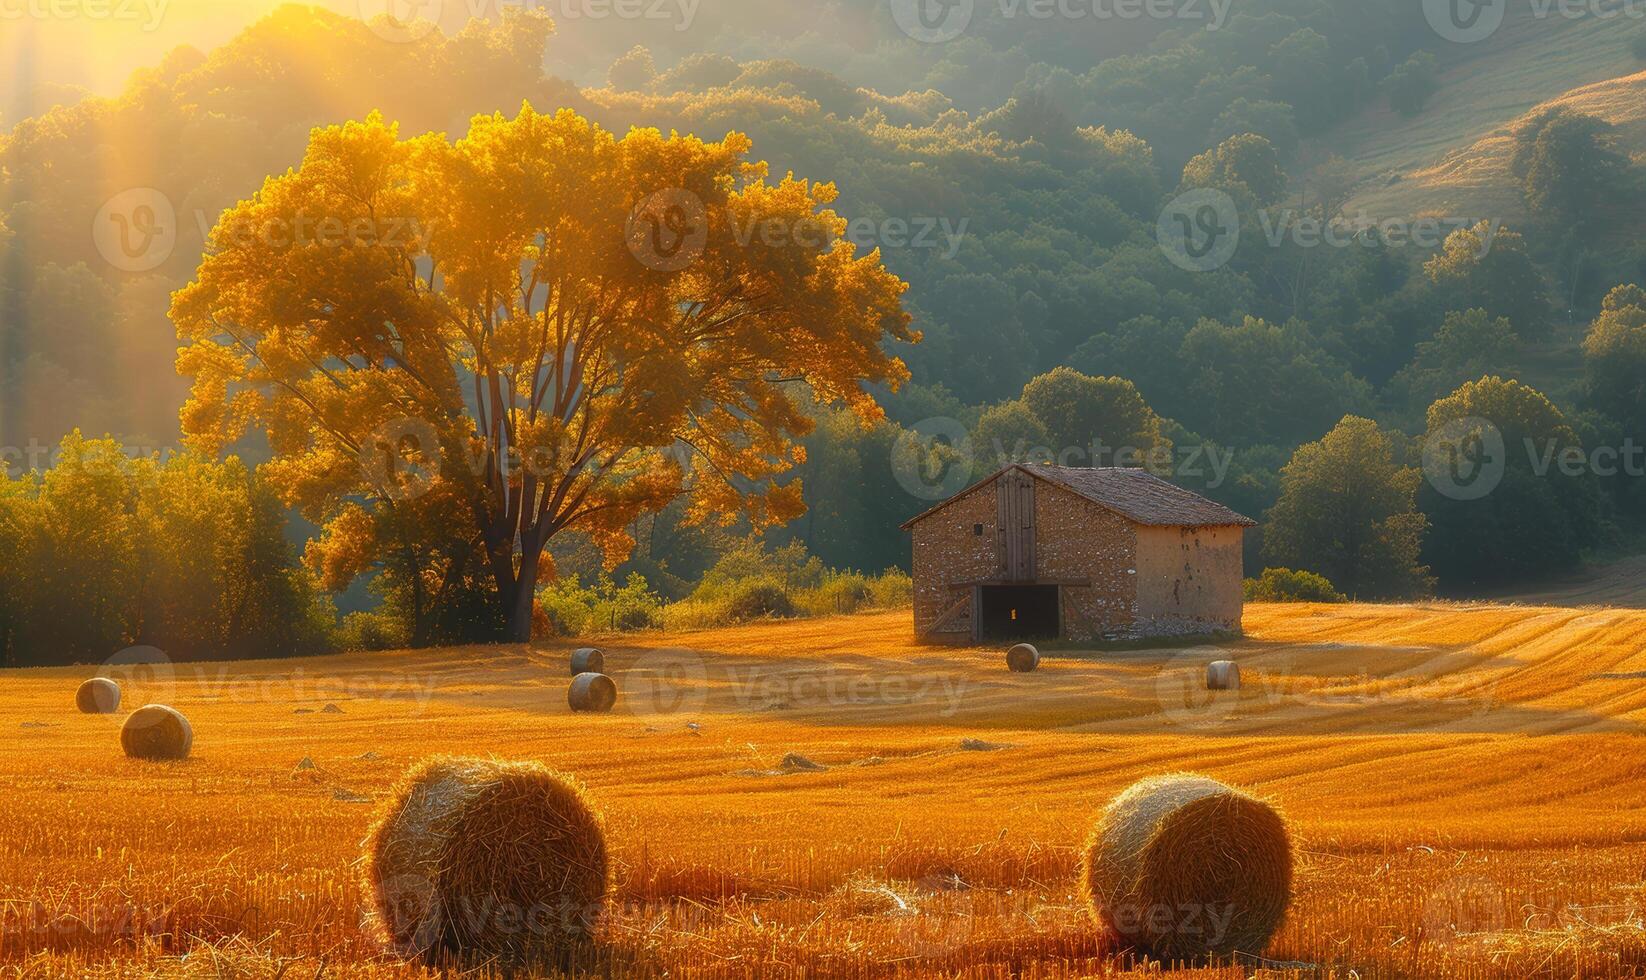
(96, 44)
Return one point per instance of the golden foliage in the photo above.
(481, 313)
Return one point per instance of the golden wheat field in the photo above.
(824, 798)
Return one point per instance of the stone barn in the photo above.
(1082, 554)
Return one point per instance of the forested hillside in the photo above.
(1019, 177)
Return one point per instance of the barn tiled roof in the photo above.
(1141, 497)
(1137, 495)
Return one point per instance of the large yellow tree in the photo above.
(534, 329)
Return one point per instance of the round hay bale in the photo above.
(1023, 658)
(98, 696)
(155, 731)
(1224, 675)
(1183, 868)
(480, 859)
(588, 660)
(592, 692)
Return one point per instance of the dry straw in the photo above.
(475, 859)
(155, 731)
(98, 696)
(592, 692)
(588, 660)
(1023, 658)
(1184, 868)
(1224, 675)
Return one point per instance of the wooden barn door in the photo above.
(1014, 501)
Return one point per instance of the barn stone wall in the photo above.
(1118, 580)
(946, 550)
(1082, 542)
(1189, 580)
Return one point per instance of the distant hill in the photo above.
(1453, 157)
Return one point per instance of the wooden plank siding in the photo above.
(1014, 499)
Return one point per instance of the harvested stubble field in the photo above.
(1466, 786)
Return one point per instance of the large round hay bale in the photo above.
(1224, 675)
(588, 660)
(155, 731)
(592, 692)
(1183, 868)
(475, 859)
(98, 696)
(1023, 658)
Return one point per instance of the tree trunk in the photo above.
(519, 605)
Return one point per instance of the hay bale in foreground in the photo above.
(588, 660)
(1224, 675)
(479, 859)
(592, 692)
(98, 696)
(156, 732)
(1182, 868)
(1023, 658)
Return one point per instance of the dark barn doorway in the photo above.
(1018, 612)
